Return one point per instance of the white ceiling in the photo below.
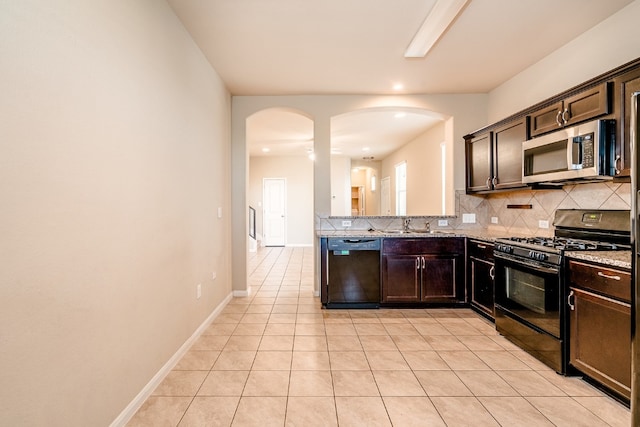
(284, 47)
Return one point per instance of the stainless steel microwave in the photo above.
(582, 152)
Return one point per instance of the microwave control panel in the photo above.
(583, 155)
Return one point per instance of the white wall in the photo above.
(298, 172)
(608, 45)
(114, 158)
(424, 172)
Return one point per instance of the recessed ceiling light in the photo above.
(265, 150)
(398, 86)
(400, 115)
(434, 26)
(366, 149)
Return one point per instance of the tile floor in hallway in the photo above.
(277, 358)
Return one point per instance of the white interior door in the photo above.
(385, 196)
(274, 202)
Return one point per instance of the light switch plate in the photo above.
(543, 223)
(469, 218)
(219, 212)
(494, 220)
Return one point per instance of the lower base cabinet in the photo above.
(600, 325)
(427, 270)
(480, 276)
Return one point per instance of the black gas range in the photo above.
(530, 292)
(550, 249)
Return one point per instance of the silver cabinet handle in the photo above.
(606, 276)
(423, 263)
(564, 119)
(417, 263)
(492, 272)
(488, 182)
(617, 162)
(481, 246)
(494, 181)
(558, 118)
(571, 306)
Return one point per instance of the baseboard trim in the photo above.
(242, 294)
(299, 245)
(131, 409)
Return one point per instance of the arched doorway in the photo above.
(280, 187)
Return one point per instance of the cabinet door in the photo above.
(507, 154)
(401, 278)
(546, 119)
(482, 285)
(442, 279)
(600, 341)
(586, 105)
(479, 162)
(580, 107)
(625, 85)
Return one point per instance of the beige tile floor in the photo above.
(277, 358)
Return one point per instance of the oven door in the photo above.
(529, 292)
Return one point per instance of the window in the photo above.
(401, 189)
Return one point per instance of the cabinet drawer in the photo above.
(409, 246)
(607, 281)
(480, 250)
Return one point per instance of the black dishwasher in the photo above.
(351, 276)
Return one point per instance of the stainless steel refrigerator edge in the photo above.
(635, 295)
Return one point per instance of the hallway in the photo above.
(276, 358)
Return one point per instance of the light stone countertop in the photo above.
(474, 234)
(620, 259)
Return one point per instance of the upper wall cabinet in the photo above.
(479, 162)
(582, 106)
(494, 159)
(625, 85)
(494, 153)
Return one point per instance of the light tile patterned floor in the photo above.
(277, 358)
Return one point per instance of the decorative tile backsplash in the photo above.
(510, 221)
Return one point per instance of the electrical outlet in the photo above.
(443, 223)
(214, 275)
(198, 291)
(494, 220)
(346, 223)
(543, 224)
(469, 218)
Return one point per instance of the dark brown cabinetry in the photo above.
(494, 158)
(577, 108)
(600, 324)
(490, 163)
(479, 162)
(480, 276)
(625, 86)
(424, 270)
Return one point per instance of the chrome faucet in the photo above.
(405, 224)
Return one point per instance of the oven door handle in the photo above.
(525, 262)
